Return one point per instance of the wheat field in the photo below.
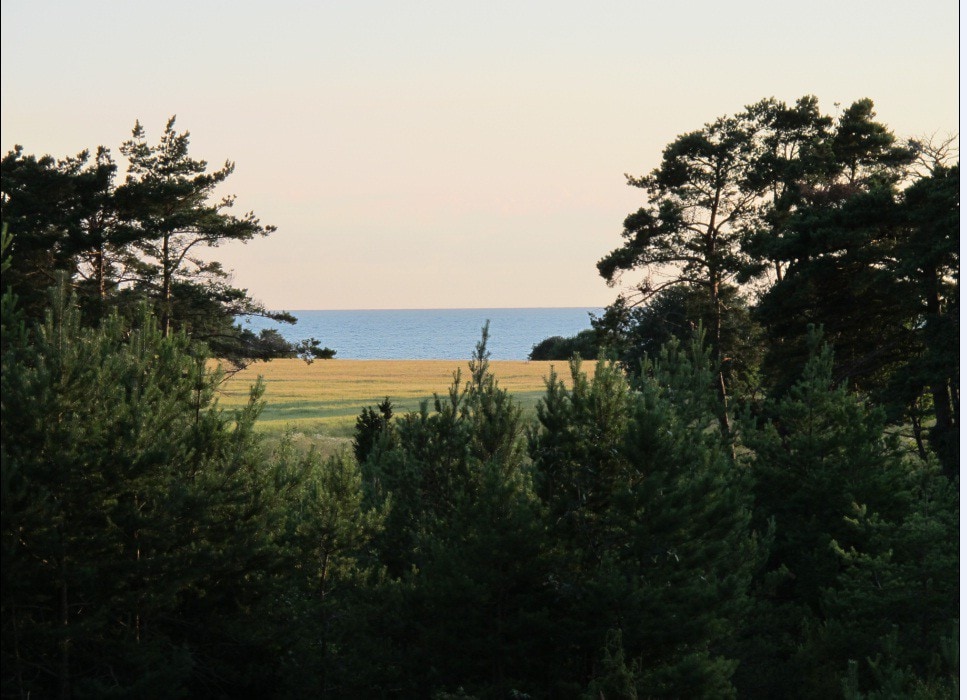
(323, 399)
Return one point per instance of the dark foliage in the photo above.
(583, 345)
(770, 512)
(142, 240)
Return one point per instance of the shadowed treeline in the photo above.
(752, 493)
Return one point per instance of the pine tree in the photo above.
(817, 456)
(141, 524)
(169, 195)
(462, 544)
(651, 521)
(143, 239)
(893, 609)
(925, 267)
(66, 221)
(833, 245)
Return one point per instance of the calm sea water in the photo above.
(430, 334)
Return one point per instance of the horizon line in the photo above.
(444, 308)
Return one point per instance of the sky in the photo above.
(447, 154)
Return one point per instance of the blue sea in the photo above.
(430, 334)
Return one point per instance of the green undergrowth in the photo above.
(328, 426)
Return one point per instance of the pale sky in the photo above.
(449, 154)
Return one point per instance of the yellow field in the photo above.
(324, 398)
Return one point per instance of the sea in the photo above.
(430, 334)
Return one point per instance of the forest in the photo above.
(754, 493)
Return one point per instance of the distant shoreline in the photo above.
(455, 308)
(423, 334)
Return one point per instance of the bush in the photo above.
(584, 345)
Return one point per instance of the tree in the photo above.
(876, 265)
(650, 521)
(753, 197)
(584, 344)
(66, 220)
(865, 150)
(330, 579)
(462, 543)
(372, 426)
(925, 264)
(142, 239)
(142, 527)
(170, 195)
(872, 631)
(817, 456)
(691, 230)
(635, 333)
(792, 157)
(832, 245)
(836, 280)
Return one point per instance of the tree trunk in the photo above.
(942, 388)
(99, 273)
(64, 672)
(18, 661)
(917, 425)
(715, 341)
(715, 308)
(165, 286)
